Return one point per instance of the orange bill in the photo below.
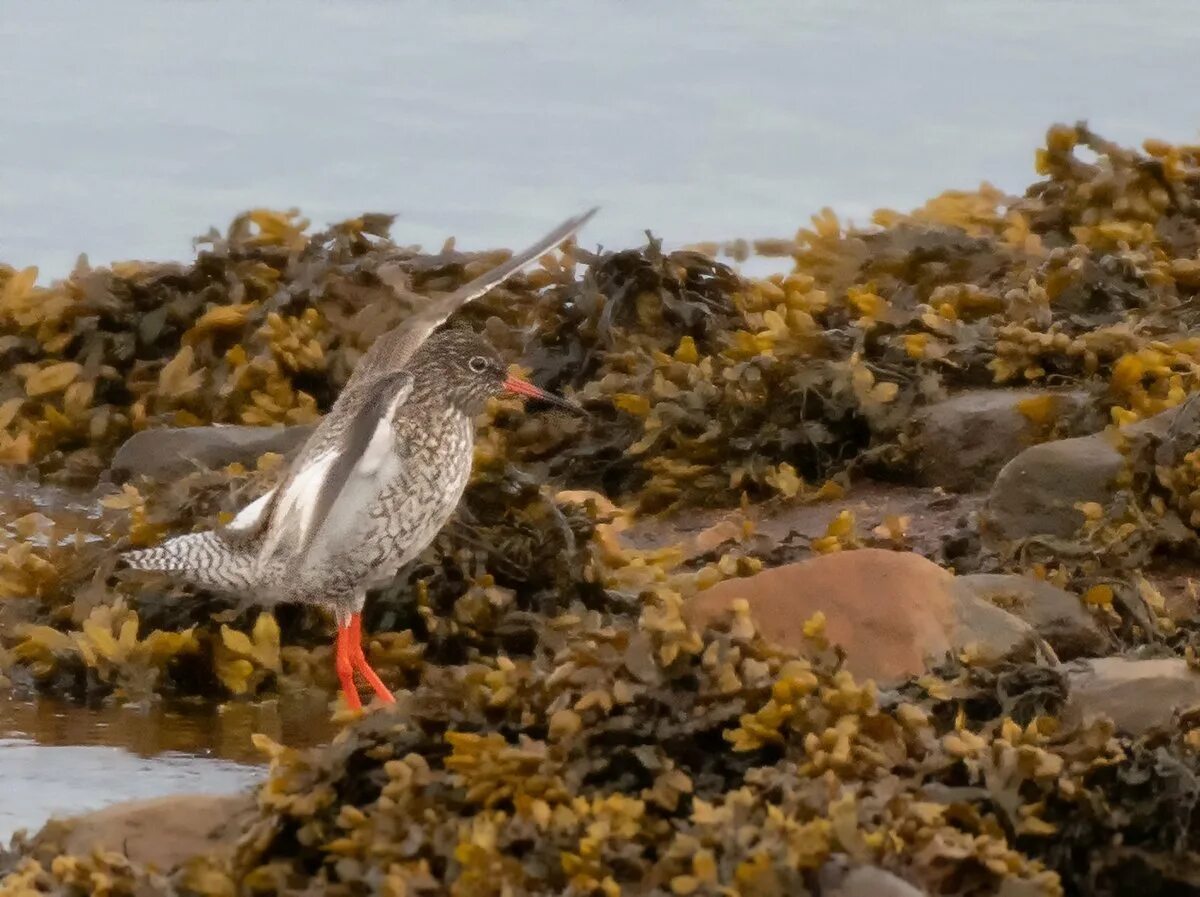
(525, 388)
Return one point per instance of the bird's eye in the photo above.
(478, 364)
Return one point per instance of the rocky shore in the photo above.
(876, 577)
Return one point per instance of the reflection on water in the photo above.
(62, 759)
(40, 513)
(201, 730)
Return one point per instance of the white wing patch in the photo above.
(379, 449)
(375, 467)
(330, 491)
(293, 515)
(250, 518)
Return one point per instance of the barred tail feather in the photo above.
(203, 559)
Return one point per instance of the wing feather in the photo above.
(359, 449)
(394, 348)
(251, 519)
(299, 507)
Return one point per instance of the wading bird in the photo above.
(375, 482)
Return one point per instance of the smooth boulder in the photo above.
(962, 442)
(838, 879)
(1135, 694)
(161, 832)
(893, 612)
(1039, 491)
(166, 452)
(1058, 616)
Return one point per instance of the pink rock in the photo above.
(893, 612)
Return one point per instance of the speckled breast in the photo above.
(434, 469)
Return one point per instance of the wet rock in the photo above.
(1136, 694)
(162, 832)
(963, 441)
(1036, 493)
(891, 611)
(1058, 616)
(170, 452)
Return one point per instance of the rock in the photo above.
(171, 452)
(1036, 493)
(713, 537)
(1177, 580)
(988, 633)
(162, 831)
(963, 441)
(892, 611)
(931, 517)
(1058, 616)
(863, 881)
(1136, 694)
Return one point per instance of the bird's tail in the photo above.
(203, 559)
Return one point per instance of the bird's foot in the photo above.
(343, 661)
(360, 661)
(349, 658)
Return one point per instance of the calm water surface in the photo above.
(129, 127)
(60, 759)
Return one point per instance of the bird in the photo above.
(374, 483)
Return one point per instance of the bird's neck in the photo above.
(429, 391)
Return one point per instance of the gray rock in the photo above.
(991, 633)
(838, 879)
(161, 831)
(1176, 431)
(171, 452)
(1036, 493)
(963, 441)
(1136, 694)
(1058, 616)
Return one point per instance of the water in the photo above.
(90, 778)
(60, 759)
(130, 126)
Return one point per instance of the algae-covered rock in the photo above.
(962, 442)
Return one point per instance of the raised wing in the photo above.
(355, 453)
(393, 349)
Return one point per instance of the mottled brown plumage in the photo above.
(375, 482)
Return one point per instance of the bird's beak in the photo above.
(527, 389)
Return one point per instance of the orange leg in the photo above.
(343, 662)
(360, 661)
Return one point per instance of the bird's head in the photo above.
(457, 364)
